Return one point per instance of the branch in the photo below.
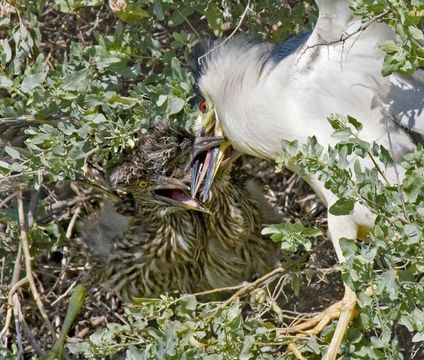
(28, 267)
(253, 285)
(13, 283)
(229, 36)
(10, 297)
(346, 36)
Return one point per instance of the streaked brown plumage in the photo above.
(160, 246)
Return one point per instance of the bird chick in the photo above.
(159, 239)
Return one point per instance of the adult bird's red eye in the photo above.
(202, 106)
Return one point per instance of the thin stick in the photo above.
(16, 308)
(32, 207)
(292, 347)
(5, 201)
(64, 294)
(230, 36)
(28, 334)
(15, 288)
(72, 222)
(14, 281)
(9, 313)
(189, 24)
(398, 182)
(244, 290)
(345, 36)
(28, 267)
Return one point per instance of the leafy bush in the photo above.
(82, 77)
(391, 264)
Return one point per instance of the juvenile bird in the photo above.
(161, 240)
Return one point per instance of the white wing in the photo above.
(355, 47)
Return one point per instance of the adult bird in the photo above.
(158, 239)
(257, 94)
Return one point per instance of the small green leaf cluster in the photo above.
(181, 328)
(291, 236)
(404, 17)
(391, 261)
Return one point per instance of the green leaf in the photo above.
(6, 53)
(133, 14)
(248, 343)
(66, 6)
(5, 165)
(342, 134)
(385, 157)
(389, 47)
(295, 284)
(311, 232)
(290, 147)
(214, 17)
(175, 104)
(413, 232)
(5, 82)
(391, 285)
(158, 10)
(416, 33)
(356, 124)
(76, 81)
(342, 207)
(32, 81)
(180, 15)
(12, 153)
(418, 337)
(348, 246)
(335, 122)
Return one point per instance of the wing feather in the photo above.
(400, 97)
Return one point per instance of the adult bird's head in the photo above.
(154, 174)
(230, 80)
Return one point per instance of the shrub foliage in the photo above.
(81, 77)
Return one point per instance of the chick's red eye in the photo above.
(202, 106)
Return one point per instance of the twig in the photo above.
(7, 199)
(28, 267)
(189, 24)
(16, 309)
(222, 289)
(138, 301)
(292, 347)
(28, 334)
(345, 36)
(3, 265)
(244, 290)
(230, 36)
(32, 207)
(14, 281)
(398, 182)
(64, 294)
(72, 222)
(15, 288)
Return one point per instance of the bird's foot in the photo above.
(344, 310)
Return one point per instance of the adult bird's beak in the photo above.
(176, 193)
(208, 153)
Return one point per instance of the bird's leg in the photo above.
(344, 310)
(348, 312)
(342, 227)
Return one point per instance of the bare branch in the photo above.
(230, 36)
(28, 267)
(345, 36)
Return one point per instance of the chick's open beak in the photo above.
(176, 193)
(207, 155)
